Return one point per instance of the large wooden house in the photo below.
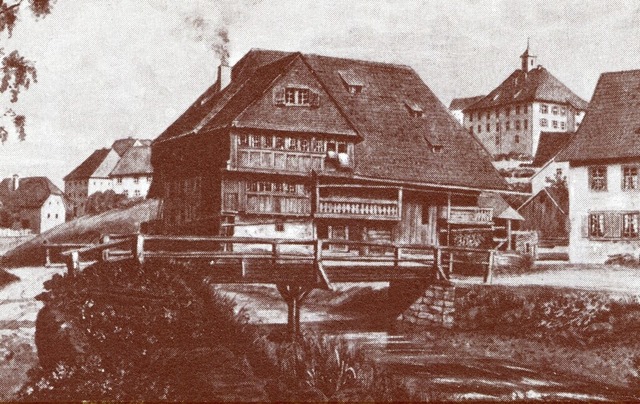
(291, 145)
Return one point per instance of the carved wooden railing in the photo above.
(334, 207)
(470, 215)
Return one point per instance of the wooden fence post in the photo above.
(274, 252)
(105, 253)
(450, 264)
(396, 256)
(73, 262)
(438, 262)
(488, 278)
(138, 249)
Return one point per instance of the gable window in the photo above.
(598, 178)
(629, 178)
(554, 110)
(544, 123)
(488, 127)
(544, 108)
(596, 225)
(630, 225)
(136, 180)
(296, 96)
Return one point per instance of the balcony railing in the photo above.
(358, 208)
(470, 215)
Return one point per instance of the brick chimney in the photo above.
(15, 182)
(224, 75)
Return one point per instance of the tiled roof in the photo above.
(32, 192)
(611, 126)
(122, 145)
(137, 160)
(549, 145)
(89, 166)
(462, 103)
(394, 146)
(535, 85)
(501, 209)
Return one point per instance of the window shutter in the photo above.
(585, 226)
(612, 225)
(278, 96)
(314, 98)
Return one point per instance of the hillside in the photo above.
(85, 229)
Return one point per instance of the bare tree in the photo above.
(17, 73)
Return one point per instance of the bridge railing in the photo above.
(319, 252)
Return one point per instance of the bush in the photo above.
(129, 332)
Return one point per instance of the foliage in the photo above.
(572, 317)
(104, 201)
(128, 332)
(17, 72)
(316, 368)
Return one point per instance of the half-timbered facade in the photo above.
(290, 145)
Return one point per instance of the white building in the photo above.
(604, 159)
(133, 173)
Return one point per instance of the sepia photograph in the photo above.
(319, 201)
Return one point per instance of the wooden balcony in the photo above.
(471, 215)
(358, 208)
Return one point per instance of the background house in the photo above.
(294, 145)
(547, 212)
(531, 100)
(133, 174)
(458, 105)
(35, 203)
(545, 162)
(604, 158)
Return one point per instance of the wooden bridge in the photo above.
(295, 266)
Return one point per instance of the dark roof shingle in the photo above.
(89, 166)
(549, 145)
(137, 160)
(611, 126)
(32, 192)
(535, 85)
(394, 146)
(462, 103)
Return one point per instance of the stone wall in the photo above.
(434, 307)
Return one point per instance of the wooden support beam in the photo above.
(488, 277)
(73, 262)
(47, 256)
(450, 264)
(105, 253)
(294, 296)
(138, 249)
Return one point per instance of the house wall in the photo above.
(52, 213)
(30, 219)
(135, 186)
(539, 180)
(583, 249)
(98, 185)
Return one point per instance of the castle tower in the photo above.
(528, 60)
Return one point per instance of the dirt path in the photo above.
(18, 312)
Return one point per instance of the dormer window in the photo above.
(352, 81)
(415, 110)
(296, 96)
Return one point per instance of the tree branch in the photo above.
(4, 10)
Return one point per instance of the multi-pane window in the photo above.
(507, 111)
(544, 123)
(526, 124)
(488, 114)
(279, 142)
(526, 108)
(471, 117)
(554, 124)
(497, 140)
(554, 110)
(598, 178)
(119, 180)
(497, 126)
(544, 108)
(596, 225)
(517, 125)
(296, 96)
(630, 225)
(629, 178)
(479, 115)
(136, 192)
(136, 180)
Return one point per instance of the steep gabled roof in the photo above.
(432, 149)
(462, 103)
(559, 196)
(32, 192)
(137, 160)
(501, 209)
(536, 85)
(611, 127)
(89, 166)
(549, 145)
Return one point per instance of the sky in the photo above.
(109, 69)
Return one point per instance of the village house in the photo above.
(531, 100)
(604, 160)
(96, 173)
(292, 145)
(34, 203)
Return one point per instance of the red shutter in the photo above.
(314, 98)
(278, 96)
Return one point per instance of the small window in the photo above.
(563, 111)
(517, 109)
(279, 225)
(48, 215)
(296, 96)
(415, 110)
(279, 142)
(544, 123)
(266, 141)
(352, 81)
(516, 139)
(317, 145)
(479, 128)
(507, 111)
(563, 125)
(243, 140)
(555, 110)
(479, 116)
(517, 125)
(526, 109)
(254, 141)
(488, 114)
(507, 125)
(554, 124)
(136, 192)
(342, 147)
(526, 124)
(497, 140)
(630, 225)
(136, 180)
(56, 215)
(149, 178)
(471, 117)
(497, 126)
(598, 178)
(629, 178)
(304, 145)
(596, 225)
(126, 192)
(544, 108)
(488, 127)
